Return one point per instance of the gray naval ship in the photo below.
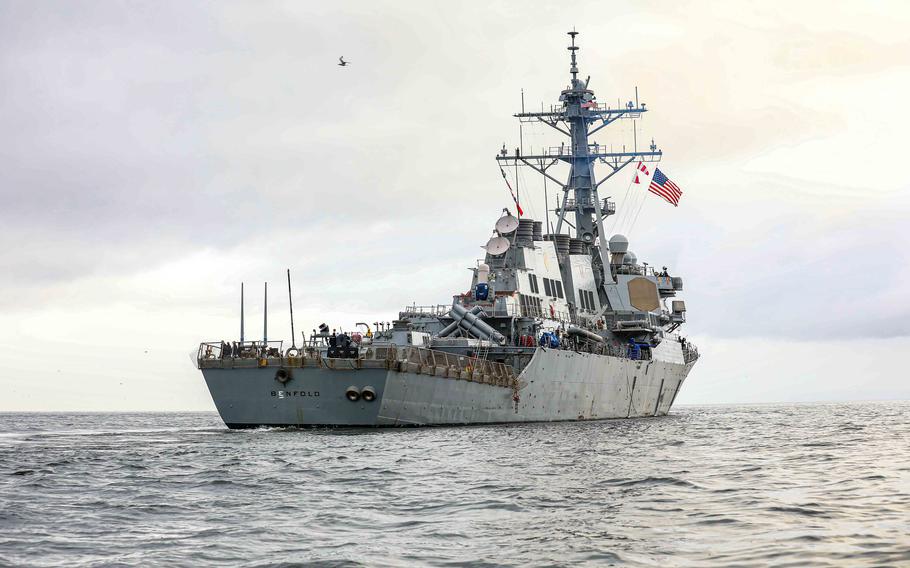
(566, 325)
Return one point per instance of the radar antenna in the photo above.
(573, 48)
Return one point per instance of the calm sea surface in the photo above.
(780, 485)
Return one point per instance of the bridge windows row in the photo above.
(531, 306)
(553, 288)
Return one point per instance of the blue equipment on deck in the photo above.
(481, 291)
(635, 348)
(549, 339)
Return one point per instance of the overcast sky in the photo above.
(154, 156)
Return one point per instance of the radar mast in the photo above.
(577, 119)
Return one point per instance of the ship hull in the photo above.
(557, 385)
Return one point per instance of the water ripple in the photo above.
(783, 485)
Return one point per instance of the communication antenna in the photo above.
(241, 312)
(507, 223)
(265, 317)
(291, 304)
(497, 245)
(521, 150)
(573, 48)
(578, 117)
(521, 142)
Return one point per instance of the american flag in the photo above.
(589, 104)
(662, 186)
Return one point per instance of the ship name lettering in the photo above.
(283, 394)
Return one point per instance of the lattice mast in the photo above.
(576, 119)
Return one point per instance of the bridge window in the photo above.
(586, 300)
(530, 306)
(553, 288)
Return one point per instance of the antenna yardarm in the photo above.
(576, 119)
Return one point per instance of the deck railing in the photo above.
(439, 363)
(214, 350)
(690, 352)
(433, 310)
(418, 360)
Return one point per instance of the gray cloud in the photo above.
(791, 266)
(154, 156)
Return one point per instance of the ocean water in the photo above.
(771, 485)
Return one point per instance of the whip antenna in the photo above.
(265, 317)
(291, 304)
(241, 312)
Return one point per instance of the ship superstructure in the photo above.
(563, 325)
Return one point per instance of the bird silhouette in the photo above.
(342, 62)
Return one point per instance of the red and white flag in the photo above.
(641, 168)
(514, 198)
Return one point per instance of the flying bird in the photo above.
(342, 62)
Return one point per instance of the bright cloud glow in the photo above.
(155, 158)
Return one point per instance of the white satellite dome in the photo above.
(619, 244)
